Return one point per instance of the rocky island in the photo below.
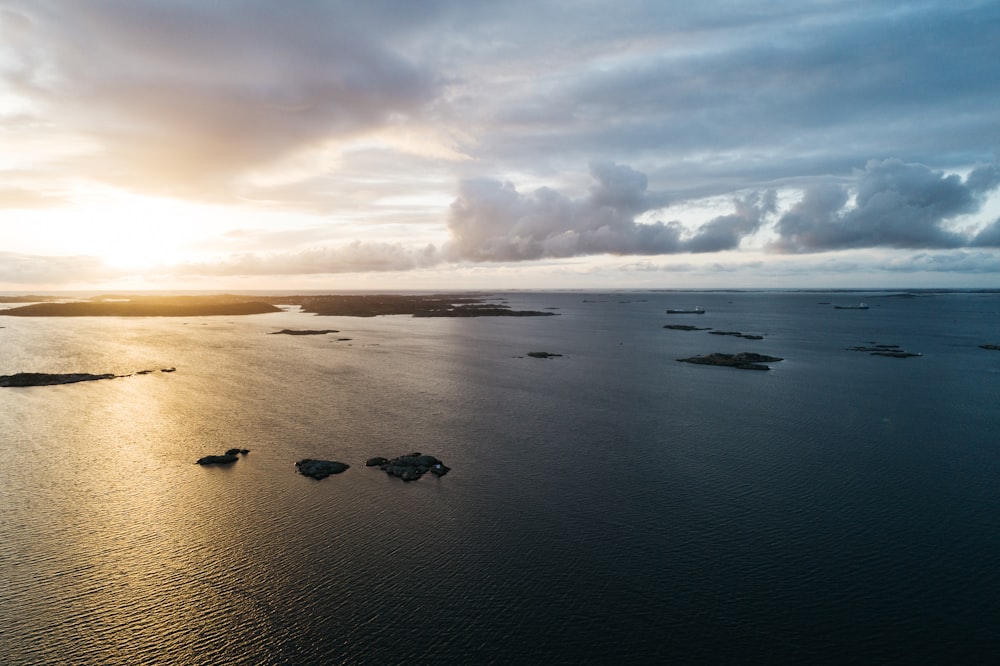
(742, 360)
(320, 469)
(49, 379)
(437, 305)
(353, 305)
(289, 331)
(892, 351)
(21, 379)
(409, 467)
(230, 456)
(146, 306)
(737, 334)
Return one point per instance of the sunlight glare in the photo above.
(130, 232)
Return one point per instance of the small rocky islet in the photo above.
(542, 354)
(409, 467)
(320, 469)
(891, 351)
(687, 327)
(737, 334)
(734, 334)
(23, 379)
(290, 331)
(742, 360)
(229, 457)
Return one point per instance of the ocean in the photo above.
(608, 505)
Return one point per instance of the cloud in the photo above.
(989, 236)
(958, 261)
(726, 231)
(896, 205)
(346, 120)
(29, 269)
(356, 257)
(26, 198)
(727, 96)
(187, 96)
(491, 221)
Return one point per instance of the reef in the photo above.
(409, 467)
(737, 334)
(742, 360)
(320, 469)
(892, 351)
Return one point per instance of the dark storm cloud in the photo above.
(492, 221)
(989, 236)
(896, 205)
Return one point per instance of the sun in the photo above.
(128, 249)
(132, 233)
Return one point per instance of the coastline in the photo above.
(438, 305)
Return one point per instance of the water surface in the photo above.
(610, 504)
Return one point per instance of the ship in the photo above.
(683, 311)
(859, 306)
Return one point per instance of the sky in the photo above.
(392, 144)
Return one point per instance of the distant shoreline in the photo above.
(437, 305)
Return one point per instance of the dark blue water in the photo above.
(608, 505)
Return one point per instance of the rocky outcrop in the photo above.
(743, 360)
(230, 456)
(48, 379)
(409, 467)
(320, 469)
(892, 351)
(224, 459)
(21, 379)
(737, 334)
